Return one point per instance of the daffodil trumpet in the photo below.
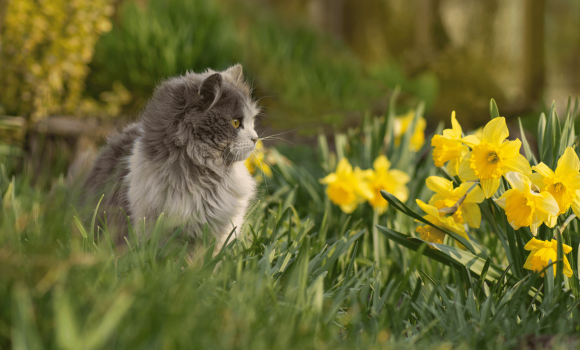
(524, 207)
(544, 253)
(492, 156)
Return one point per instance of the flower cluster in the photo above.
(536, 195)
(402, 124)
(45, 53)
(348, 188)
(260, 160)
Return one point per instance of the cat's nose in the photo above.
(255, 140)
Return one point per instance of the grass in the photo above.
(305, 275)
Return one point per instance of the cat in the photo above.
(184, 157)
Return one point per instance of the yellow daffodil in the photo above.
(446, 196)
(401, 124)
(391, 180)
(347, 188)
(525, 207)
(544, 251)
(449, 148)
(431, 234)
(492, 156)
(256, 161)
(477, 132)
(564, 183)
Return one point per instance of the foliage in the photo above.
(305, 275)
(158, 40)
(45, 54)
(301, 72)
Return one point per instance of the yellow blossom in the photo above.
(256, 161)
(401, 124)
(347, 188)
(431, 234)
(391, 180)
(449, 148)
(446, 196)
(492, 156)
(564, 183)
(525, 207)
(544, 251)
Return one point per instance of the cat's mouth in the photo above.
(237, 152)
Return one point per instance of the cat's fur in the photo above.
(183, 158)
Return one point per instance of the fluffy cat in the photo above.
(183, 157)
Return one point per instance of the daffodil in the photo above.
(525, 207)
(544, 251)
(256, 161)
(449, 148)
(401, 124)
(564, 183)
(492, 156)
(391, 180)
(347, 188)
(446, 197)
(432, 234)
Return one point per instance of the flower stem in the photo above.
(376, 236)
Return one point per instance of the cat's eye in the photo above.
(236, 123)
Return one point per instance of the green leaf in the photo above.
(529, 154)
(109, 322)
(541, 133)
(493, 109)
(24, 334)
(455, 257)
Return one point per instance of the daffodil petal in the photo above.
(548, 204)
(365, 191)
(519, 163)
(471, 214)
(465, 171)
(538, 180)
(381, 163)
(501, 201)
(534, 244)
(489, 186)
(518, 181)
(495, 131)
(344, 166)
(471, 140)
(568, 163)
(439, 185)
(349, 208)
(475, 196)
(429, 209)
(543, 170)
(455, 125)
(401, 176)
(576, 204)
(567, 269)
(330, 178)
(453, 167)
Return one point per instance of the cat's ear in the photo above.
(235, 73)
(210, 91)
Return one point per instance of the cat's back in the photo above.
(111, 167)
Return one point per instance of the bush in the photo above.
(159, 40)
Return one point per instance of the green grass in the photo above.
(303, 277)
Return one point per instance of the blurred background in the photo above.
(73, 70)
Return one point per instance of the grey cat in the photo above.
(183, 157)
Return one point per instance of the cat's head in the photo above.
(208, 116)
